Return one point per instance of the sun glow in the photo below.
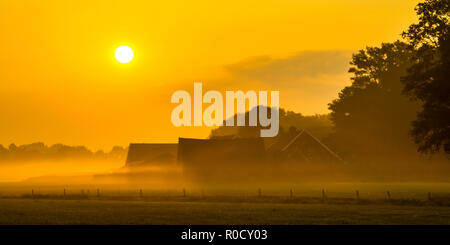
(124, 54)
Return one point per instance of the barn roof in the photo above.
(220, 150)
(305, 145)
(144, 154)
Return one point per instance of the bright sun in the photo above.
(124, 54)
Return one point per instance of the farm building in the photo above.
(303, 148)
(220, 160)
(151, 154)
(229, 151)
(226, 157)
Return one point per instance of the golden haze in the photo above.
(60, 83)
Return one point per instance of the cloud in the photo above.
(307, 81)
(306, 65)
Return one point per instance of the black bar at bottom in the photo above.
(226, 233)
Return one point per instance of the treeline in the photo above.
(41, 152)
(291, 124)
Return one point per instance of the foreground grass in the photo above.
(51, 211)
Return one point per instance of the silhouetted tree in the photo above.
(371, 117)
(428, 80)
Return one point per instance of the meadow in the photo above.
(406, 204)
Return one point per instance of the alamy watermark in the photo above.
(213, 115)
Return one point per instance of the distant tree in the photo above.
(100, 154)
(118, 152)
(40, 151)
(290, 122)
(371, 117)
(60, 151)
(428, 80)
(12, 147)
(3, 151)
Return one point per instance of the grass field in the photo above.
(407, 203)
(107, 211)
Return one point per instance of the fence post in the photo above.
(259, 192)
(388, 195)
(324, 196)
(98, 192)
(32, 193)
(291, 193)
(184, 192)
(64, 192)
(141, 194)
(429, 196)
(357, 195)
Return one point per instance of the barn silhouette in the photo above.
(231, 158)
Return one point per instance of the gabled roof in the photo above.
(306, 145)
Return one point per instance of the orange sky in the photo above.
(60, 83)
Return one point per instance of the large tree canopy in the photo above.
(428, 79)
(372, 117)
